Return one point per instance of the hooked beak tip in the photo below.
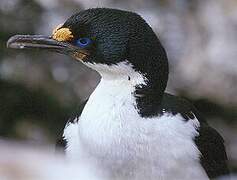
(11, 42)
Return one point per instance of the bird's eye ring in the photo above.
(83, 42)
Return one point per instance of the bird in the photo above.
(130, 127)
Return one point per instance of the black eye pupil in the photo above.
(83, 40)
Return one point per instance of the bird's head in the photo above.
(113, 42)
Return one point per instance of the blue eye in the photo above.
(83, 42)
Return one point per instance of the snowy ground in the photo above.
(31, 163)
(18, 162)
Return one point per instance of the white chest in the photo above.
(114, 138)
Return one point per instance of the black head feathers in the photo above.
(121, 35)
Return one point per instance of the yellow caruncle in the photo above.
(62, 34)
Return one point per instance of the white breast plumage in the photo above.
(112, 136)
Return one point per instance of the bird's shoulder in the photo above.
(176, 105)
(61, 143)
(209, 142)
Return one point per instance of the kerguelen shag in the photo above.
(129, 128)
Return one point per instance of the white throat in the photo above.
(115, 92)
(122, 71)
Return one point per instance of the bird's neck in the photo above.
(149, 97)
(126, 84)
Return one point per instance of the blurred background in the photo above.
(39, 91)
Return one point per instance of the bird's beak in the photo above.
(45, 42)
